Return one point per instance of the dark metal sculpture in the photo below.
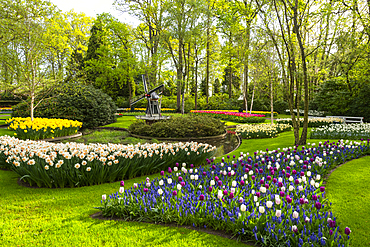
(153, 109)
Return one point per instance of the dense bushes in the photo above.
(180, 127)
(336, 98)
(79, 102)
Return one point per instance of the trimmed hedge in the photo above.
(180, 127)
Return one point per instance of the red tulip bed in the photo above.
(237, 117)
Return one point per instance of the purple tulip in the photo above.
(287, 175)
(301, 201)
(280, 184)
(216, 178)
(219, 183)
(225, 192)
(162, 173)
(267, 186)
(296, 181)
(204, 173)
(177, 164)
(331, 232)
(213, 167)
(268, 178)
(122, 183)
(347, 231)
(262, 181)
(242, 182)
(169, 170)
(182, 184)
(314, 197)
(231, 196)
(191, 165)
(253, 177)
(258, 194)
(180, 179)
(332, 223)
(174, 193)
(145, 189)
(274, 180)
(322, 189)
(302, 174)
(201, 197)
(210, 188)
(294, 172)
(282, 193)
(318, 205)
(289, 200)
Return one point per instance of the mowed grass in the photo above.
(61, 217)
(123, 122)
(348, 189)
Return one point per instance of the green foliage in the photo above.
(110, 61)
(180, 127)
(75, 101)
(335, 98)
(280, 106)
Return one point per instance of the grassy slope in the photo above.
(55, 217)
(348, 189)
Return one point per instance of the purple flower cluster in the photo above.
(274, 194)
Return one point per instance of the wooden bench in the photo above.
(349, 119)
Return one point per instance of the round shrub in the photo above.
(74, 101)
(180, 127)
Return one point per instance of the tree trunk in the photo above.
(207, 56)
(179, 75)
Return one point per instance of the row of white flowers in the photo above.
(75, 164)
(312, 122)
(345, 131)
(249, 131)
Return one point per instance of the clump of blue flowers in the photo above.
(273, 197)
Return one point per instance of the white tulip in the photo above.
(278, 213)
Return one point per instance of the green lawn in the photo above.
(348, 189)
(122, 122)
(60, 217)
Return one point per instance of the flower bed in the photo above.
(266, 113)
(42, 128)
(73, 164)
(342, 131)
(252, 131)
(312, 122)
(163, 110)
(232, 116)
(274, 197)
(5, 110)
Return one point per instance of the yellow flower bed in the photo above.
(251, 131)
(41, 128)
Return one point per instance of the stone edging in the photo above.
(61, 138)
(110, 128)
(181, 139)
(239, 143)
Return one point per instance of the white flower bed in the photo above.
(342, 131)
(249, 131)
(75, 164)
